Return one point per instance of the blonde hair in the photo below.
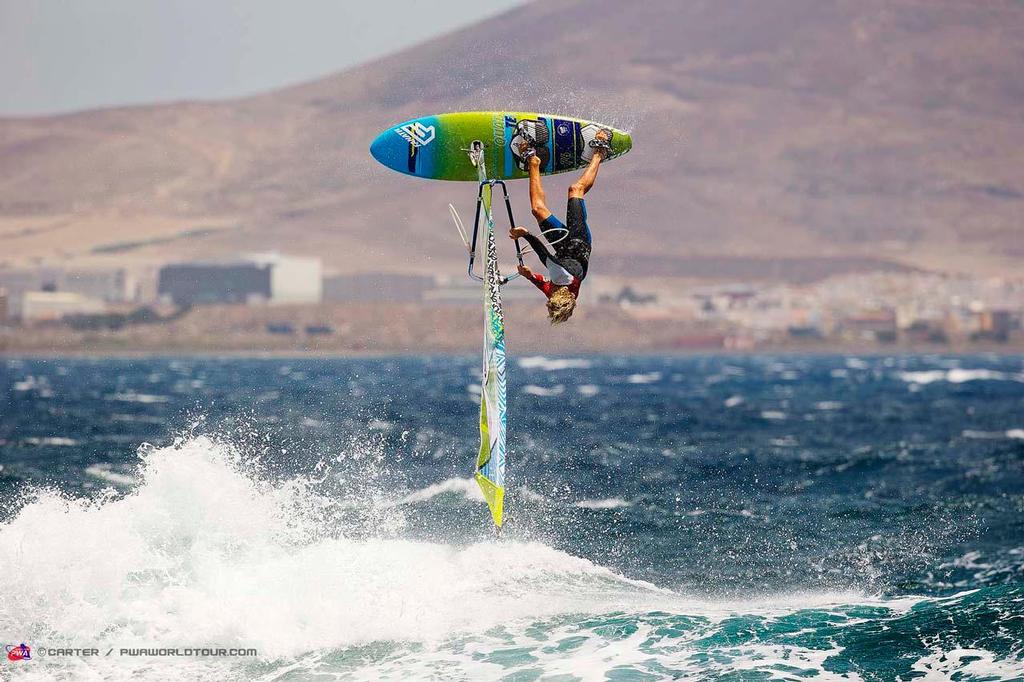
(560, 305)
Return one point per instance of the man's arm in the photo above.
(538, 247)
(537, 279)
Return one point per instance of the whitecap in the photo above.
(133, 397)
(200, 551)
(104, 472)
(55, 441)
(983, 435)
(957, 376)
(553, 364)
(965, 663)
(30, 383)
(610, 503)
(465, 487)
(556, 390)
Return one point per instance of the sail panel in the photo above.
(490, 464)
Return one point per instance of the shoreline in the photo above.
(825, 350)
(379, 330)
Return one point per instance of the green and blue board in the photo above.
(434, 147)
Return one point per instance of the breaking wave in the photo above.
(204, 552)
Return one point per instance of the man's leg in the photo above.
(586, 181)
(538, 202)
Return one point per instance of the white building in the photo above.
(293, 279)
(37, 306)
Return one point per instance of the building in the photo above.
(44, 306)
(113, 285)
(110, 285)
(994, 325)
(254, 279)
(875, 325)
(189, 284)
(17, 282)
(292, 279)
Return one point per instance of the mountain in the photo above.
(850, 134)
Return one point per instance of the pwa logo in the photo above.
(18, 652)
(417, 134)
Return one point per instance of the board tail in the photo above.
(490, 463)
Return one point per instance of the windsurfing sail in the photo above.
(490, 463)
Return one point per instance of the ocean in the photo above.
(700, 517)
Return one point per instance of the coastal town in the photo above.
(278, 302)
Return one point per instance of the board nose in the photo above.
(390, 149)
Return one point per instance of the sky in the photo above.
(65, 55)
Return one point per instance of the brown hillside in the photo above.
(866, 131)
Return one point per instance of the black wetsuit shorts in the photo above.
(573, 251)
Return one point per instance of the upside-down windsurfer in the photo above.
(567, 266)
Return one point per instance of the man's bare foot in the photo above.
(528, 152)
(518, 232)
(603, 146)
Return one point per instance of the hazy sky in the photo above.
(63, 55)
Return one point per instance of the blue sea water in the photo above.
(718, 517)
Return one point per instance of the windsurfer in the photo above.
(567, 266)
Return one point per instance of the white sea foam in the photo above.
(104, 472)
(465, 487)
(530, 496)
(133, 397)
(200, 552)
(203, 553)
(53, 441)
(644, 378)
(553, 364)
(958, 376)
(588, 390)
(541, 391)
(985, 435)
(610, 503)
(966, 664)
(29, 383)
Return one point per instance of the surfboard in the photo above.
(434, 147)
